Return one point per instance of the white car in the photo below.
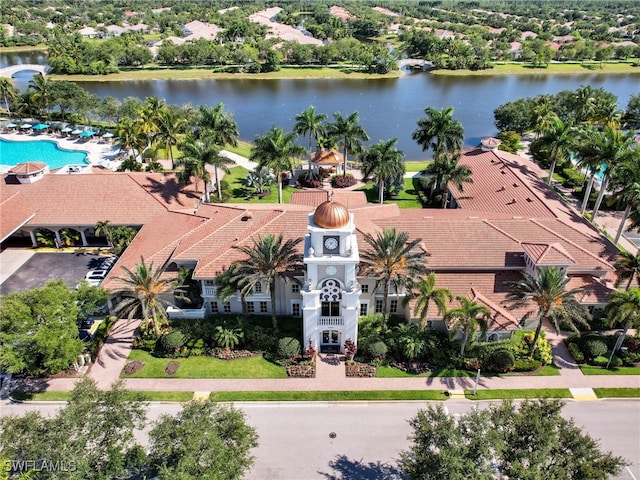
(95, 277)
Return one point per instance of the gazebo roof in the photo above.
(327, 157)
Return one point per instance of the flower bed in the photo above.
(171, 368)
(133, 367)
(361, 370)
(224, 354)
(415, 368)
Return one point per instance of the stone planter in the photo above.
(301, 371)
(362, 370)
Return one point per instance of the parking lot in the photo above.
(42, 267)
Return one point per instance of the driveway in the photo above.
(42, 267)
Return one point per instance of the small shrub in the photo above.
(173, 341)
(350, 349)
(616, 362)
(341, 181)
(288, 347)
(576, 353)
(500, 361)
(572, 178)
(310, 180)
(594, 348)
(378, 349)
(526, 365)
(599, 361)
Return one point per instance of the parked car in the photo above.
(95, 277)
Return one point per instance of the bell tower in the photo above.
(331, 293)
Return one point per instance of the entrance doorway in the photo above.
(330, 341)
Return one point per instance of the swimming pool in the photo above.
(47, 151)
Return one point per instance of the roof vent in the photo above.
(516, 185)
(529, 199)
(246, 217)
(503, 171)
(502, 188)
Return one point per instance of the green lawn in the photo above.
(407, 198)
(242, 194)
(617, 392)
(206, 367)
(416, 166)
(329, 396)
(591, 370)
(243, 148)
(390, 372)
(149, 396)
(517, 68)
(518, 393)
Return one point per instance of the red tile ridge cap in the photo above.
(498, 229)
(544, 227)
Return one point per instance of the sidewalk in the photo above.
(330, 375)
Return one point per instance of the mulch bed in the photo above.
(133, 367)
(301, 371)
(171, 368)
(362, 370)
(415, 368)
(224, 354)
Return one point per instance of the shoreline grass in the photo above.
(552, 69)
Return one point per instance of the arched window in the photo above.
(330, 297)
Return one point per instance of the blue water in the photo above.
(47, 151)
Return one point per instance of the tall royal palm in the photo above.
(170, 125)
(144, 292)
(548, 293)
(556, 142)
(269, 258)
(467, 318)
(196, 155)
(424, 293)
(628, 267)
(384, 163)
(275, 151)
(625, 186)
(439, 131)
(623, 309)
(349, 132)
(611, 147)
(394, 261)
(217, 125)
(310, 123)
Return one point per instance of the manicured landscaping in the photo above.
(617, 392)
(592, 370)
(406, 198)
(243, 148)
(552, 69)
(414, 166)
(241, 194)
(150, 396)
(518, 393)
(206, 367)
(328, 396)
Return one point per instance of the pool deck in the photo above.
(99, 152)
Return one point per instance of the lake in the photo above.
(388, 107)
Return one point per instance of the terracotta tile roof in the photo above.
(314, 197)
(167, 190)
(15, 211)
(543, 254)
(28, 167)
(499, 187)
(327, 157)
(594, 290)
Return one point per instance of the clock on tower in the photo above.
(331, 244)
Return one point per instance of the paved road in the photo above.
(295, 441)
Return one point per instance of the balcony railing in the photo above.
(209, 290)
(174, 312)
(330, 321)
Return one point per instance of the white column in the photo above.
(83, 237)
(59, 245)
(34, 242)
(310, 315)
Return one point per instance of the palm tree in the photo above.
(308, 122)
(611, 147)
(384, 163)
(548, 292)
(556, 142)
(41, 92)
(268, 258)
(218, 126)
(584, 104)
(628, 267)
(228, 283)
(169, 125)
(275, 151)
(625, 186)
(8, 93)
(445, 169)
(103, 228)
(131, 137)
(439, 131)
(196, 155)
(425, 292)
(350, 132)
(624, 308)
(227, 338)
(394, 261)
(142, 294)
(414, 342)
(467, 318)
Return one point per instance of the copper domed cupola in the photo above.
(331, 214)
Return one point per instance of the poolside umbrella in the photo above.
(87, 133)
(11, 125)
(40, 126)
(25, 125)
(77, 131)
(66, 130)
